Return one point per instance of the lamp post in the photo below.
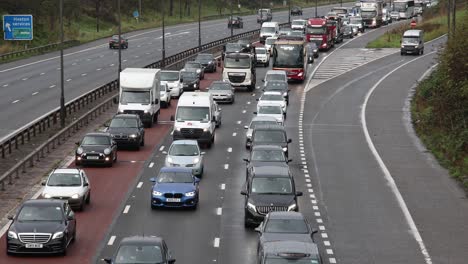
(230, 21)
(316, 4)
(120, 41)
(289, 14)
(199, 25)
(63, 112)
(163, 51)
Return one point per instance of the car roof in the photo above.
(269, 127)
(45, 202)
(267, 147)
(98, 134)
(139, 240)
(176, 169)
(286, 215)
(67, 171)
(412, 32)
(276, 72)
(285, 246)
(271, 92)
(271, 171)
(126, 116)
(185, 142)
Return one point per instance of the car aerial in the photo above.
(207, 60)
(190, 80)
(232, 48)
(235, 22)
(348, 32)
(269, 98)
(127, 130)
(265, 155)
(41, 226)
(68, 184)
(175, 187)
(296, 11)
(172, 79)
(299, 24)
(263, 56)
(195, 66)
(273, 110)
(271, 135)
(142, 250)
(165, 95)
(288, 252)
(257, 120)
(185, 153)
(270, 189)
(114, 42)
(222, 91)
(269, 42)
(278, 86)
(292, 226)
(247, 45)
(96, 148)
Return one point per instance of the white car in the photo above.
(275, 75)
(263, 56)
(273, 110)
(165, 95)
(185, 153)
(172, 79)
(68, 184)
(299, 24)
(273, 98)
(269, 42)
(257, 120)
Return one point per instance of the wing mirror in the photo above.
(245, 159)
(43, 183)
(196, 179)
(255, 112)
(243, 192)
(171, 261)
(289, 140)
(289, 160)
(258, 99)
(172, 118)
(299, 193)
(85, 184)
(164, 152)
(10, 217)
(77, 143)
(246, 127)
(71, 216)
(153, 180)
(107, 260)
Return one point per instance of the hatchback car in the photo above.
(185, 153)
(172, 79)
(175, 187)
(114, 42)
(278, 86)
(271, 135)
(222, 91)
(273, 110)
(257, 120)
(190, 80)
(348, 32)
(165, 95)
(275, 75)
(299, 24)
(127, 130)
(268, 98)
(262, 56)
(208, 61)
(41, 226)
(265, 155)
(142, 250)
(96, 148)
(68, 184)
(197, 67)
(284, 32)
(235, 22)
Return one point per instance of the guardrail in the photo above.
(41, 49)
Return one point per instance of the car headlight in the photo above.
(292, 207)
(12, 235)
(133, 135)
(177, 128)
(198, 70)
(285, 149)
(107, 151)
(156, 193)
(300, 74)
(210, 62)
(195, 85)
(402, 46)
(251, 206)
(196, 160)
(169, 159)
(205, 129)
(57, 235)
(46, 195)
(75, 196)
(285, 94)
(146, 111)
(79, 151)
(190, 194)
(315, 50)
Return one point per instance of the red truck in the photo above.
(319, 33)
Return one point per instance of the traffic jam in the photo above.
(191, 102)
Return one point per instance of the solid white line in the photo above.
(111, 240)
(216, 242)
(127, 208)
(219, 211)
(161, 148)
(387, 175)
(223, 186)
(139, 185)
(151, 165)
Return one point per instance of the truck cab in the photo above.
(239, 70)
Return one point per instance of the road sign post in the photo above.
(17, 27)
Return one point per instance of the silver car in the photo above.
(222, 91)
(68, 184)
(257, 120)
(185, 153)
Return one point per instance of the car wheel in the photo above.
(142, 143)
(137, 146)
(82, 205)
(64, 251)
(88, 199)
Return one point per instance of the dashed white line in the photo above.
(42, 73)
(84, 74)
(24, 79)
(324, 235)
(69, 80)
(111, 240)
(216, 242)
(329, 251)
(151, 165)
(226, 166)
(238, 122)
(98, 69)
(315, 207)
(15, 101)
(139, 185)
(317, 213)
(52, 86)
(112, 65)
(74, 63)
(248, 102)
(234, 134)
(244, 111)
(219, 211)
(34, 93)
(229, 150)
(326, 243)
(127, 208)
(322, 227)
(223, 186)
(332, 260)
(5, 85)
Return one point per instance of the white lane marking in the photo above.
(52, 86)
(15, 101)
(248, 102)
(5, 85)
(139, 185)
(315, 207)
(229, 150)
(387, 175)
(324, 235)
(112, 65)
(74, 63)
(226, 166)
(42, 73)
(216, 242)
(84, 74)
(127, 208)
(329, 251)
(238, 122)
(219, 211)
(317, 213)
(244, 111)
(161, 148)
(34, 93)
(234, 134)
(151, 165)
(24, 79)
(98, 69)
(332, 260)
(111, 240)
(223, 186)
(326, 243)
(321, 227)
(68, 80)
(309, 185)
(124, 61)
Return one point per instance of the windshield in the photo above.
(192, 65)
(136, 97)
(204, 57)
(175, 177)
(272, 97)
(95, 140)
(270, 30)
(275, 77)
(233, 47)
(294, 226)
(263, 122)
(124, 122)
(260, 51)
(64, 179)
(220, 87)
(270, 109)
(184, 150)
(271, 185)
(269, 136)
(298, 23)
(288, 55)
(188, 75)
(289, 260)
(410, 40)
(270, 41)
(40, 213)
(267, 155)
(170, 76)
(317, 30)
(400, 6)
(276, 86)
(237, 63)
(368, 14)
(130, 254)
(354, 20)
(185, 113)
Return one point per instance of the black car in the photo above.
(288, 252)
(296, 11)
(127, 130)
(266, 191)
(265, 155)
(235, 22)
(96, 148)
(348, 32)
(312, 48)
(190, 80)
(278, 86)
(114, 42)
(271, 135)
(197, 67)
(207, 60)
(232, 48)
(41, 226)
(142, 249)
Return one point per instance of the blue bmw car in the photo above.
(175, 187)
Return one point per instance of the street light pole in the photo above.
(163, 62)
(316, 4)
(120, 42)
(230, 21)
(289, 15)
(63, 111)
(199, 25)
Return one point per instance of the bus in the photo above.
(289, 54)
(405, 8)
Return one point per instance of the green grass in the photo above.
(433, 28)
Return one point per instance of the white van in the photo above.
(139, 94)
(412, 42)
(172, 79)
(197, 117)
(269, 29)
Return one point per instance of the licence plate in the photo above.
(173, 200)
(92, 157)
(34, 245)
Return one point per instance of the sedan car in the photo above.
(273, 110)
(278, 86)
(185, 153)
(197, 67)
(190, 80)
(265, 155)
(235, 22)
(127, 130)
(96, 148)
(165, 95)
(299, 24)
(172, 79)
(271, 135)
(175, 187)
(274, 97)
(348, 32)
(142, 250)
(114, 42)
(296, 11)
(312, 49)
(257, 120)
(41, 226)
(222, 91)
(208, 61)
(68, 184)
(262, 56)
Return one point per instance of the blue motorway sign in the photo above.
(17, 27)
